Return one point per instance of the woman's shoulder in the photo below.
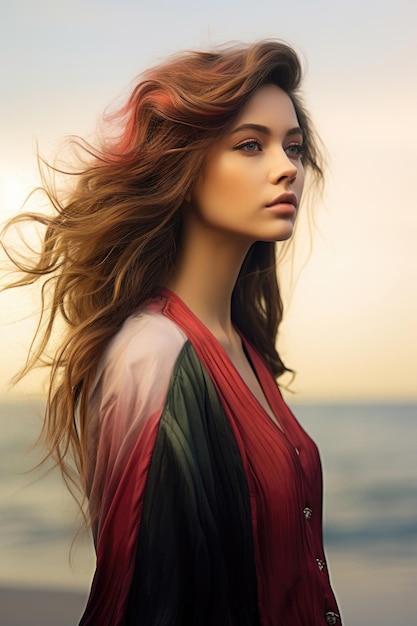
(147, 339)
(135, 373)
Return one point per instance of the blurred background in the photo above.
(350, 326)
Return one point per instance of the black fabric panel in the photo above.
(195, 561)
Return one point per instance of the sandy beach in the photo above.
(34, 607)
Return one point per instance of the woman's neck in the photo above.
(207, 271)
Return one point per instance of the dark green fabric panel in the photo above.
(195, 562)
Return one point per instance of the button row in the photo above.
(330, 616)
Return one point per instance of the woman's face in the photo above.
(253, 177)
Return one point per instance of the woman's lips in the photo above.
(285, 204)
(285, 198)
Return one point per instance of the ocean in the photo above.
(369, 454)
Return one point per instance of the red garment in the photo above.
(282, 467)
(285, 483)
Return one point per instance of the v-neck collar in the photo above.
(211, 352)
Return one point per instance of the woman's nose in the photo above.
(283, 168)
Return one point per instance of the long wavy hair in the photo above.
(112, 240)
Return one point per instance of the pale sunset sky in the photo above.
(350, 329)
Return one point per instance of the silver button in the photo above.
(321, 565)
(331, 618)
(308, 513)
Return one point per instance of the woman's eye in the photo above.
(250, 146)
(295, 151)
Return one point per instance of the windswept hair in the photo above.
(113, 240)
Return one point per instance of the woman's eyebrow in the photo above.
(258, 127)
(265, 130)
(295, 131)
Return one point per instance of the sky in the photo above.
(350, 326)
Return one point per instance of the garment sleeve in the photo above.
(189, 551)
(125, 408)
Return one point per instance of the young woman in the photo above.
(204, 492)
